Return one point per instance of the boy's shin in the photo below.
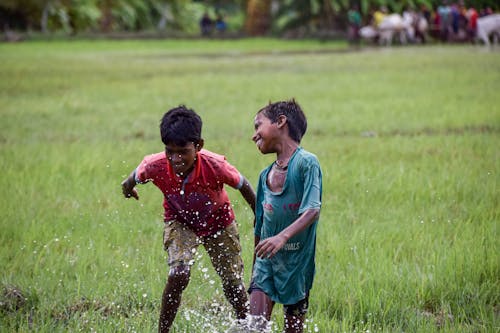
(237, 296)
(178, 280)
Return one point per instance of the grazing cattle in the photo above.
(368, 32)
(488, 26)
(391, 26)
(395, 26)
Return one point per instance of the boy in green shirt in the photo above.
(287, 210)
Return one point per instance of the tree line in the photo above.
(248, 17)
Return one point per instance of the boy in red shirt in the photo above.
(197, 209)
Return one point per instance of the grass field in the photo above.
(408, 139)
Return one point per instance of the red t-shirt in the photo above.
(199, 201)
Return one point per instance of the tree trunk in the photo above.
(329, 14)
(162, 23)
(106, 22)
(45, 18)
(258, 17)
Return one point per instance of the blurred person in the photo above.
(472, 16)
(410, 18)
(444, 12)
(379, 15)
(220, 24)
(206, 24)
(426, 13)
(462, 21)
(423, 23)
(455, 20)
(354, 24)
(197, 210)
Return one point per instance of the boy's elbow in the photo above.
(314, 214)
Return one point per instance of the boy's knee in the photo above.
(179, 276)
(232, 281)
(298, 309)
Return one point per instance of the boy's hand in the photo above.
(268, 247)
(129, 190)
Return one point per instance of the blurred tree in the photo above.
(84, 15)
(165, 10)
(258, 17)
(28, 13)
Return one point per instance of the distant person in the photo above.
(220, 24)
(411, 20)
(472, 16)
(455, 19)
(197, 210)
(423, 24)
(287, 213)
(206, 24)
(379, 16)
(445, 19)
(426, 13)
(354, 24)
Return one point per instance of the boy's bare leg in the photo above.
(178, 279)
(261, 307)
(237, 296)
(224, 251)
(294, 324)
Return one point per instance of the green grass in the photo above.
(407, 138)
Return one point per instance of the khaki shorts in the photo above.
(223, 248)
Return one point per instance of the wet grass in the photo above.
(408, 141)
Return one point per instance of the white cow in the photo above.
(488, 26)
(392, 26)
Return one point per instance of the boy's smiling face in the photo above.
(264, 133)
(182, 158)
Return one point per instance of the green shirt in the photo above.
(354, 17)
(287, 277)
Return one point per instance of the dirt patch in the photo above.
(12, 299)
(80, 306)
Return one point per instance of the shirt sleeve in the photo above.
(311, 198)
(231, 175)
(141, 172)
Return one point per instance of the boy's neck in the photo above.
(186, 174)
(283, 156)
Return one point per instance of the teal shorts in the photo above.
(283, 283)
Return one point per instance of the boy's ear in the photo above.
(282, 119)
(199, 145)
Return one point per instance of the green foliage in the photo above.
(84, 15)
(73, 16)
(130, 13)
(408, 142)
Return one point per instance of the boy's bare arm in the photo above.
(128, 187)
(270, 246)
(248, 194)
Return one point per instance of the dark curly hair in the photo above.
(180, 126)
(296, 119)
